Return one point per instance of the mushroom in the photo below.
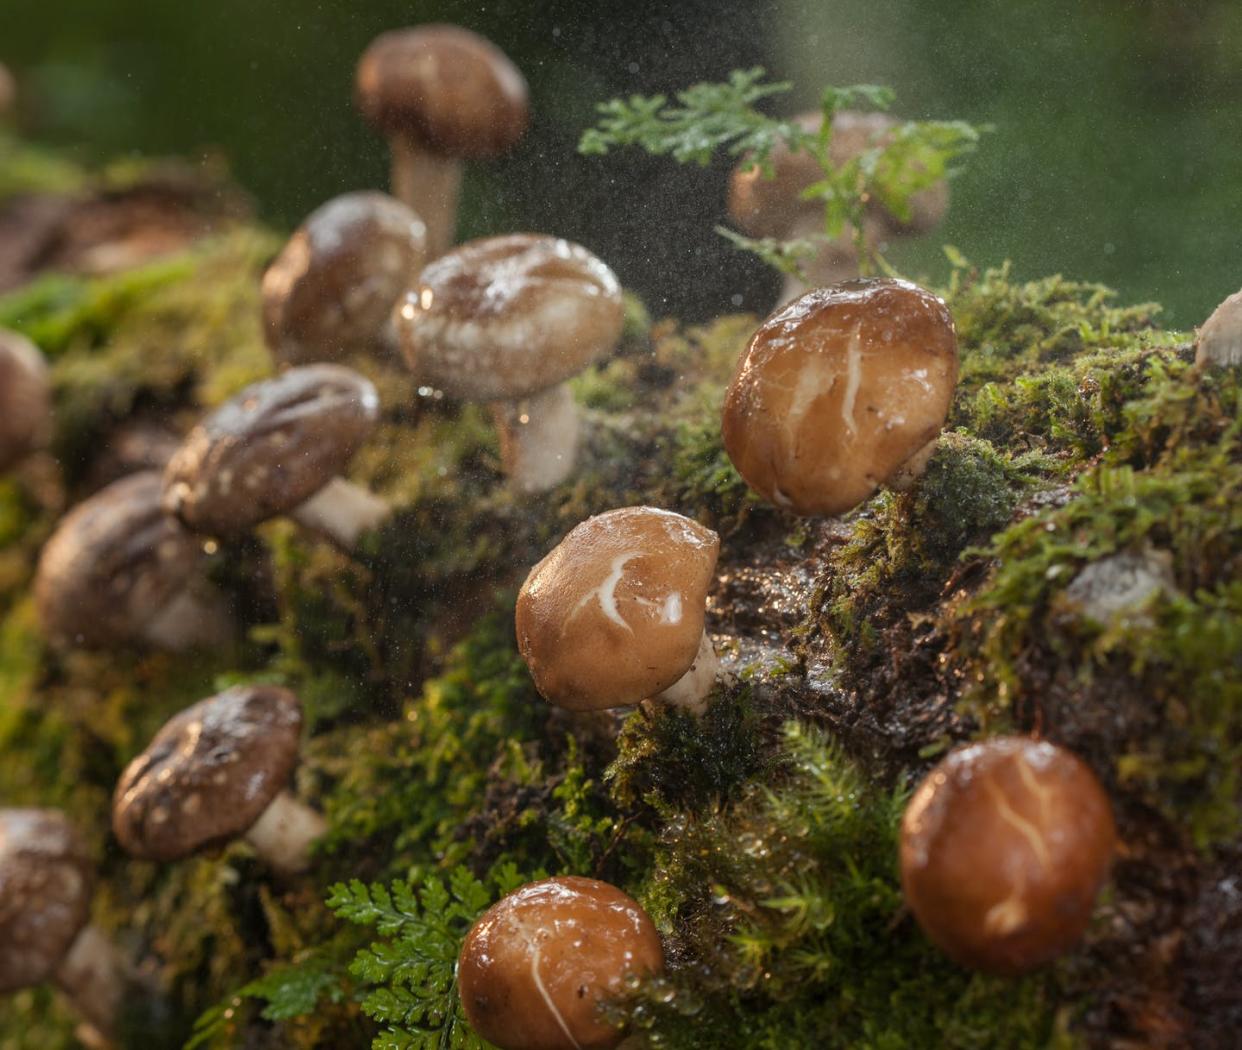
(841, 391)
(509, 320)
(1004, 847)
(763, 206)
(118, 570)
(333, 286)
(535, 967)
(8, 94)
(217, 771)
(615, 613)
(46, 883)
(25, 399)
(277, 448)
(1220, 339)
(441, 94)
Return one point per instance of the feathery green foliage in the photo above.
(709, 118)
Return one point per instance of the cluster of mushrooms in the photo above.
(841, 391)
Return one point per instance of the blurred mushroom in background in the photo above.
(763, 206)
(215, 772)
(46, 884)
(278, 447)
(333, 285)
(508, 320)
(25, 399)
(440, 94)
(8, 95)
(1219, 341)
(118, 570)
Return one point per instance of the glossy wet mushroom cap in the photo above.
(114, 563)
(615, 613)
(1004, 847)
(46, 880)
(209, 774)
(333, 286)
(506, 317)
(535, 967)
(839, 392)
(25, 398)
(270, 448)
(449, 88)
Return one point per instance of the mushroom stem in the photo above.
(538, 438)
(833, 262)
(906, 475)
(690, 691)
(190, 621)
(283, 835)
(92, 976)
(342, 511)
(430, 183)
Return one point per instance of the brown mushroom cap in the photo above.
(46, 880)
(25, 398)
(450, 89)
(270, 448)
(837, 390)
(115, 561)
(1219, 341)
(334, 284)
(536, 965)
(209, 774)
(767, 207)
(8, 92)
(1004, 847)
(615, 613)
(506, 317)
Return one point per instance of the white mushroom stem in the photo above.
(906, 475)
(284, 833)
(92, 975)
(833, 262)
(538, 438)
(430, 183)
(342, 511)
(191, 620)
(690, 691)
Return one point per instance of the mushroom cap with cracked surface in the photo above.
(209, 774)
(46, 880)
(614, 614)
(114, 562)
(506, 317)
(270, 448)
(333, 285)
(25, 398)
(535, 967)
(838, 390)
(447, 88)
(1004, 847)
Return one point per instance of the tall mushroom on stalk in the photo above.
(839, 392)
(333, 285)
(25, 399)
(508, 320)
(763, 206)
(615, 613)
(215, 772)
(119, 570)
(46, 884)
(441, 94)
(278, 447)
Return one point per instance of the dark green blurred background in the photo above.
(1116, 156)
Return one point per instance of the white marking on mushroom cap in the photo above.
(530, 935)
(853, 379)
(606, 592)
(1034, 838)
